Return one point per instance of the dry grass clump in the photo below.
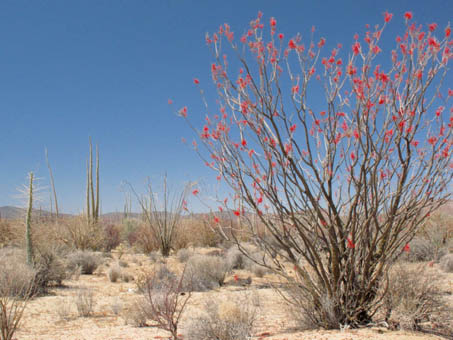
(184, 254)
(17, 279)
(224, 320)
(87, 261)
(446, 263)
(305, 314)
(414, 297)
(17, 286)
(114, 273)
(197, 233)
(237, 260)
(7, 234)
(135, 315)
(85, 302)
(77, 233)
(205, 272)
(63, 309)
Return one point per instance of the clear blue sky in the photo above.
(74, 69)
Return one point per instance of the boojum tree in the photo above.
(342, 181)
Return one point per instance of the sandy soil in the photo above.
(42, 319)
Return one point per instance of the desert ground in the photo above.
(55, 315)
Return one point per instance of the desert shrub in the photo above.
(17, 286)
(17, 279)
(112, 237)
(85, 302)
(11, 311)
(235, 258)
(205, 272)
(6, 233)
(424, 249)
(305, 313)
(414, 297)
(446, 263)
(184, 254)
(159, 278)
(114, 273)
(224, 320)
(145, 242)
(130, 231)
(50, 267)
(79, 234)
(163, 304)
(198, 233)
(87, 261)
(258, 271)
(123, 264)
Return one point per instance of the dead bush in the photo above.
(12, 308)
(87, 261)
(224, 320)
(446, 263)
(205, 272)
(163, 304)
(414, 297)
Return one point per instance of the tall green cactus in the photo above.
(92, 197)
(28, 233)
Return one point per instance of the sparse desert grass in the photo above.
(63, 309)
(224, 320)
(85, 302)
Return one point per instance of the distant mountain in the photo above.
(13, 213)
(9, 212)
